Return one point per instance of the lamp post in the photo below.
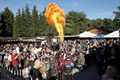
(49, 37)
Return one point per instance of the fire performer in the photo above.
(55, 17)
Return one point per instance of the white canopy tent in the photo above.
(115, 34)
(87, 34)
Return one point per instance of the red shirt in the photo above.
(14, 61)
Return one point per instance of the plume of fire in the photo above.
(56, 17)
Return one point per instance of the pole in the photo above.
(49, 38)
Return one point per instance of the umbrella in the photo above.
(99, 36)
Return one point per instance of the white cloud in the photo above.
(102, 15)
(75, 4)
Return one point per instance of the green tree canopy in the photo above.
(35, 22)
(17, 24)
(117, 18)
(7, 21)
(74, 21)
(28, 23)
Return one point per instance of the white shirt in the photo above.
(17, 50)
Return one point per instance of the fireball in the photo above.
(56, 17)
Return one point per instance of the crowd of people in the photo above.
(54, 61)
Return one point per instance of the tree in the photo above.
(44, 27)
(17, 25)
(117, 18)
(22, 23)
(1, 25)
(27, 22)
(75, 21)
(23, 28)
(7, 20)
(109, 24)
(88, 24)
(35, 22)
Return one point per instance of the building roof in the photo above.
(99, 30)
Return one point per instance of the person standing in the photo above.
(35, 73)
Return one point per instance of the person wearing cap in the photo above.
(35, 73)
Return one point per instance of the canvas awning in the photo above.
(87, 34)
(115, 34)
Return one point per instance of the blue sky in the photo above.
(93, 8)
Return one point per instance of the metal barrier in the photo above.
(10, 74)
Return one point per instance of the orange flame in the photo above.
(55, 17)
